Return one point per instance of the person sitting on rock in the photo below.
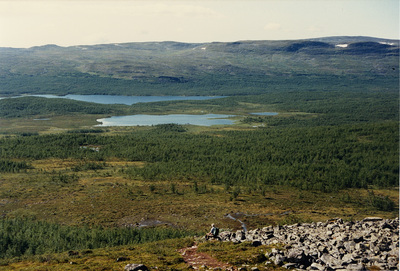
(213, 232)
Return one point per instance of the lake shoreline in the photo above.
(120, 99)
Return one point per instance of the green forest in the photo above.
(25, 237)
(321, 158)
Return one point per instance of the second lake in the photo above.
(148, 120)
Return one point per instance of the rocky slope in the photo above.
(331, 245)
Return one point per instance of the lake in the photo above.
(128, 100)
(148, 120)
(265, 114)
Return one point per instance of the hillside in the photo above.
(74, 196)
(218, 68)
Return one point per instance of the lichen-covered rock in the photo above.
(135, 267)
(330, 245)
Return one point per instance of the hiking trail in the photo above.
(199, 260)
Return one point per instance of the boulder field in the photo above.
(331, 245)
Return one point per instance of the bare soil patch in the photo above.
(199, 260)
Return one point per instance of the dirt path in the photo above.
(198, 259)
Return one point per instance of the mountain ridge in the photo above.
(216, 68)
(323, 39)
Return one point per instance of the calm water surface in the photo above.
(148, 120)
(128, 100)
(265, 114)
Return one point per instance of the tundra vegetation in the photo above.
(71, 192)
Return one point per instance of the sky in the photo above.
(27, 23)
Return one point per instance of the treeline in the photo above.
(326, 158)
(328, 108)
(31, 106)
(218, 82)
(23, 237)
(12, 166)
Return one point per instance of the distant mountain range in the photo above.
(228, 68)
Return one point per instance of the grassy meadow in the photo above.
(107, 197)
